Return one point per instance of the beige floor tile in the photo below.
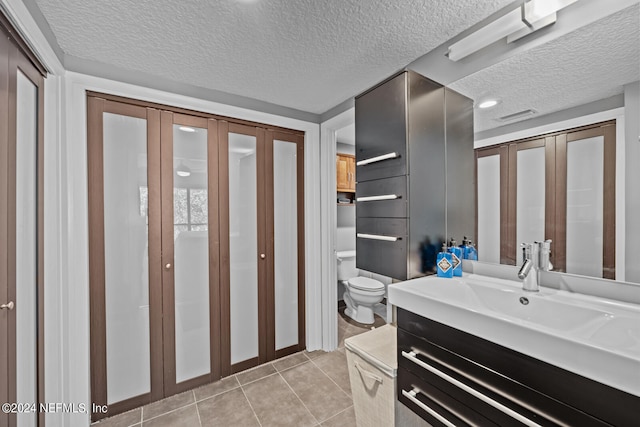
(314, 354)
(322, 397)
(253, 374)
(121, 420)
(346, 418)
(217, 387)
(289, 361)
(334, 364)
(227, 409)
(276, 405)
(183, 417)
(166, 405)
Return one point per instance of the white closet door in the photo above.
(191, 252)
(243, 247)
(489, 209)
(530, 194)
(585, 198)
(285, 205)
(126, 253)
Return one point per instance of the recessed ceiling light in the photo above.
(488, 103)
(186, 129)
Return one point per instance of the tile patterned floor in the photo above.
(304, 389)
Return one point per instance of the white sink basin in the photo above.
(536, 307)
(594, 337)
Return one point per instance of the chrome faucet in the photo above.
(535, 256)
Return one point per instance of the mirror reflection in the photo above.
(551, 149)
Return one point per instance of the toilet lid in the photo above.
(365, 284)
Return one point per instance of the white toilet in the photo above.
(362, 294)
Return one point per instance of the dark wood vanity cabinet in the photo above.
(450, 377)
(414, 165)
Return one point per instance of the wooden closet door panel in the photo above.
(124, 231)
(190, 254)
(243, 247)
(285, 243)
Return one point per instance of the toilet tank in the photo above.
(346, 265)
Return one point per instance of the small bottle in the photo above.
(444, 264)
(471, 252)
(464, 246)
(456, 257)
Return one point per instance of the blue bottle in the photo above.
(444, 263)
(456, 257)
(468, 250)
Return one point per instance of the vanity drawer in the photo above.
(486, 392)
(439, 403)
(381, 246)
(537, 388)
(382, 198)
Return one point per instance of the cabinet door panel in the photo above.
(381, 130)
(351, 169)
(342, 173)
(381, 246)
(392, 193)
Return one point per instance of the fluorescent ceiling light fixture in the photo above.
(488, 103)
(183, 170)
(535, 10)
(529, 17)
(518, 115)
(186, 129)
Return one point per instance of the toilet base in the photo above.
(361, 314)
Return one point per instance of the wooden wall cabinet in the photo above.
(346, 173)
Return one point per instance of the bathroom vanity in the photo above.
(479, 350)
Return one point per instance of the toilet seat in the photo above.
(365, 284)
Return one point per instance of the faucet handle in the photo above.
(528, 250)
(545, 255)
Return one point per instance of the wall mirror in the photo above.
(578, 74)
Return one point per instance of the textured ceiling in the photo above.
(308, 55)
(589, 64)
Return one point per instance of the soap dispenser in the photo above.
(464, 246)
(444, 263)
(456, 257)
(470, 252)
